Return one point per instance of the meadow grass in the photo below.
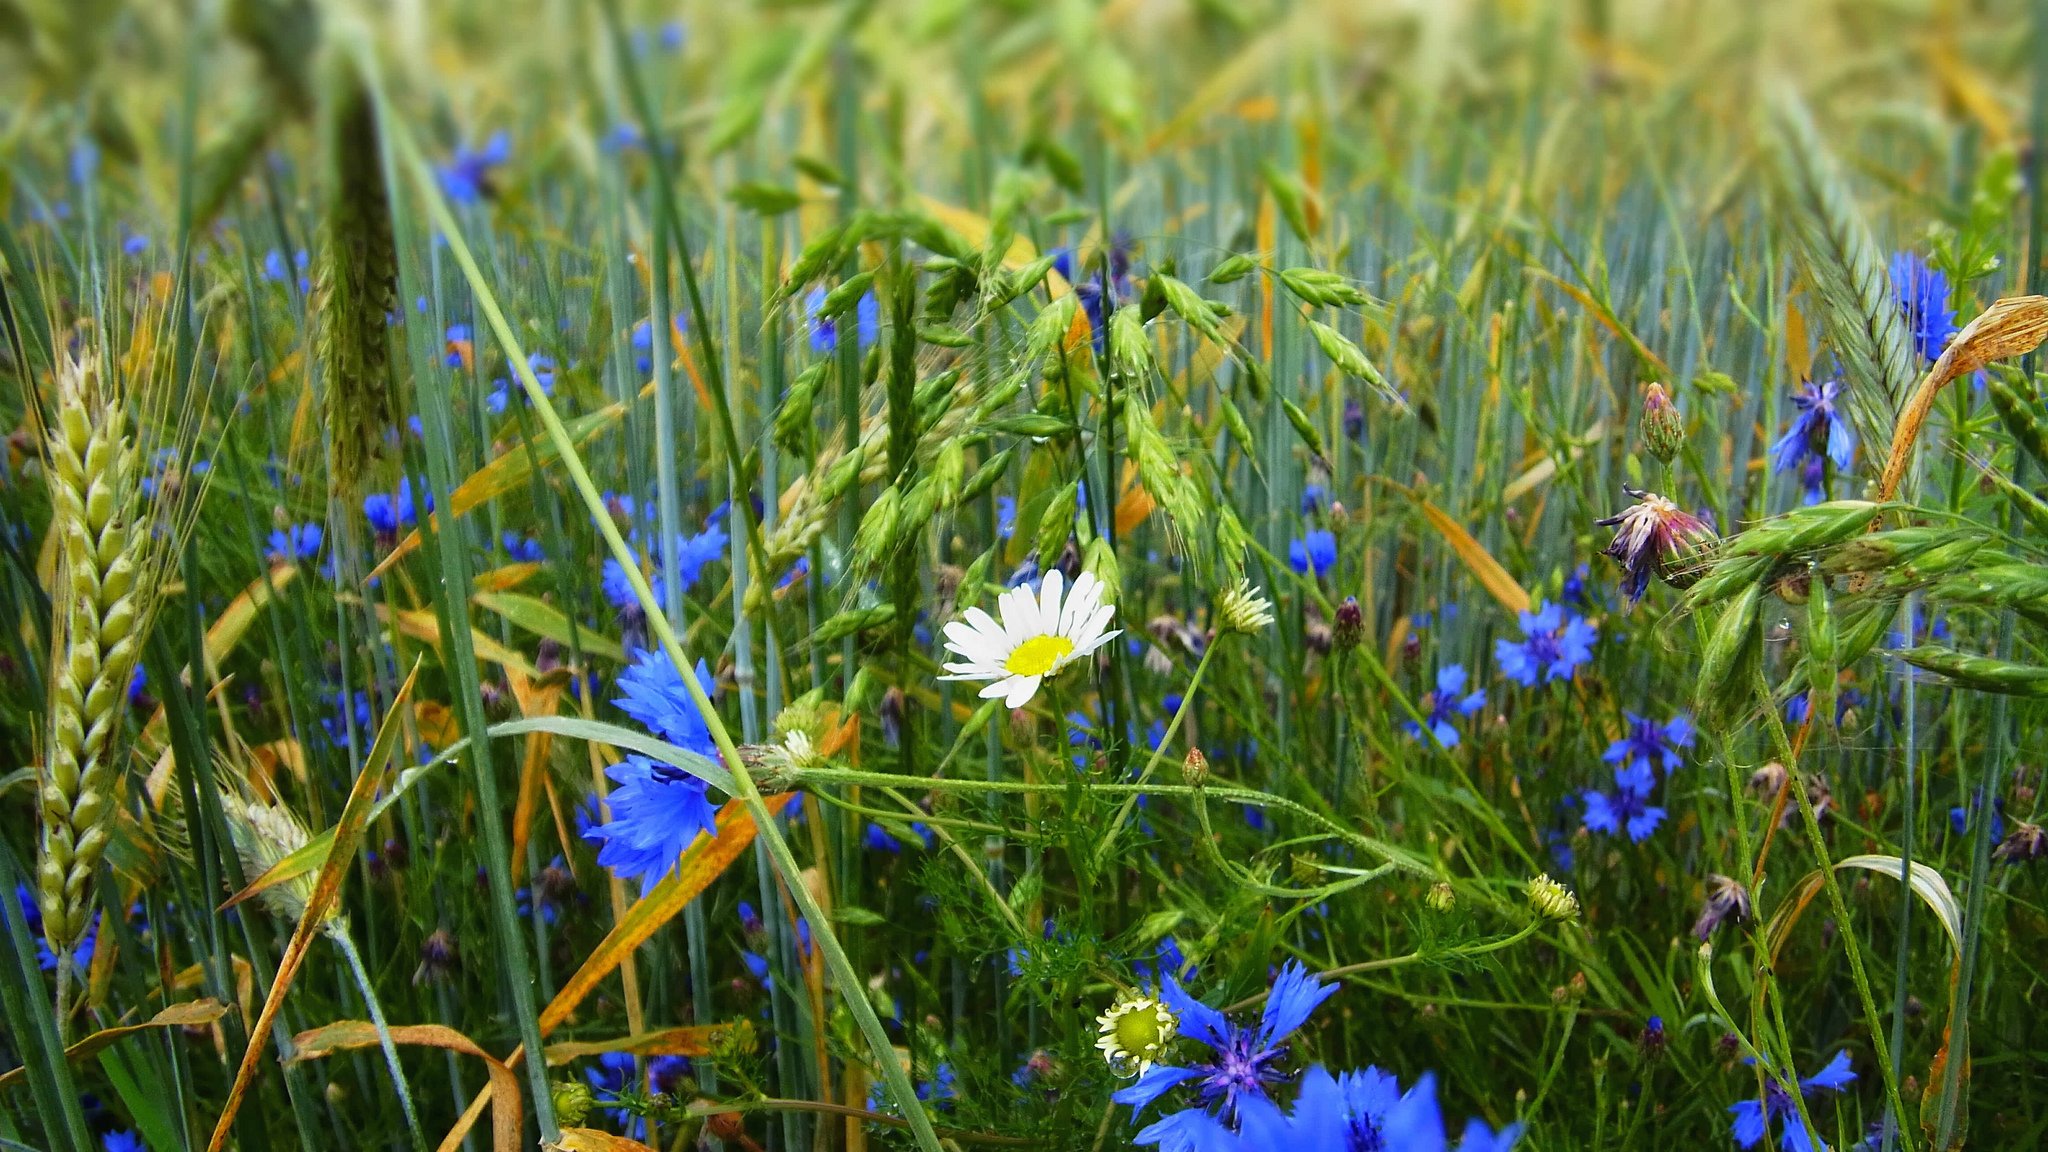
(546, 465)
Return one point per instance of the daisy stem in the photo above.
(1851, 944)
(1187, 700)
(767, 830)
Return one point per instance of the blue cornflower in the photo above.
(1552, 646)
(1924, 298)
(1362, 1111)
(1820, 429)
(1846, 701)
(1647, 742)
(825, 330)
(337, 723)
(1312, 497)
(797, 571)
(610, 1079)
(458, 343)
(275, 268)
(1813, 481)
(1629, 808)
(1959, 819)
(657, 811)
(1752, 1117)
(656, 697)
(1574, 590)
(618, 590)
(878, 838)
(1245, 1059)
(466, 178)
(388, 512)
(32, 920)
(1006, 516)
(673, 34)
(692, 553)
(523, 549)
(1449, 701)
(134, 244)
(296, 542)
(138, 685)
(121, 1141)
(1314, 553)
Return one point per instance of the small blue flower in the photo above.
(1314, 553)
(466, 178)
(1924, 294)
(657, 811)
(135, 244)
(1312, 498)
(138, 685)
(1245, 1059)
(1629, 808)
(825, 330)
(1820, 429)
(388, 512)
(1006, 516)
(523, 549)
(1648, 742)
(611, 1078)
(1752, 1117)
(1449, 701)
(1553, 646)
(297, 542)
(121, 1141)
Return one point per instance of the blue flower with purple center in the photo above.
(466, 178)
(1753, 1117)
(1553, 646)
(1820, 430)
(1244, 1062)
(1447, 703)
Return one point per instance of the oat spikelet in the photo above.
(1846, 269)
(358, 280)
(108, 577)
(265, 834)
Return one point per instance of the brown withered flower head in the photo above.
(1655, 537)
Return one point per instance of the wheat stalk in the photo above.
(1846, 269)
(109, 564)
(358, 279)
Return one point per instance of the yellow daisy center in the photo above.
(1038, 655)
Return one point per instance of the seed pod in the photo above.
(1727, 577)
(1983, 673)
(985, 477)
(1822, 673)
(1234, 421)
(1056, 524)
(1304, 428)
(1663, 428)
(1803, 529)
(852, 622)
(1100, 559)
(1731, 650)
(1997, 586)
(844, 298)
(878, 526)
(793, 420)
(2030, 506)
(1190, 307)
(1232, 268)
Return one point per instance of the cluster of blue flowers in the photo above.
(1233, 1107)
(1645, 746)
(1754, 1117)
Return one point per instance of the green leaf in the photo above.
(765, 199)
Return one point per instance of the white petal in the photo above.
(999, 688)
(1080, 602)
(1095, 643)
(1020, 615)
(1022, 689)
(982, 623)
(964, 640)
(1049, 602)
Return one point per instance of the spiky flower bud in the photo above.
(1656, 537)
(2024, 843)
(1663, 428)
(1442, 897)
(1349, 630)
(1552, 901)
(437, 957)
(1243, 609)
(1194, 770)
(573, 1100)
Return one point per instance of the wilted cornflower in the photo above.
(1244, 1062)
(1923, 292)
(1818, 431)
(466, 178)
(1553, 646)
(1447, 702)
(1752, 1117)
(1628, 808)
(1314, 553)
(2025, 843)
(1656, 537)
(1647, 742)
(1727, 900)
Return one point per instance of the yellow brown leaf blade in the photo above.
(347, 834)
(688, 1040)
(181, 1015)
(1477, 559)
(507, 1110)
(2011, 327)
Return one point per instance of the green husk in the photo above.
(358, 281)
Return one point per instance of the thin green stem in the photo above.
(343, 942)
(1130, 804)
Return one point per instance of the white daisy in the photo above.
(1038, 636)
